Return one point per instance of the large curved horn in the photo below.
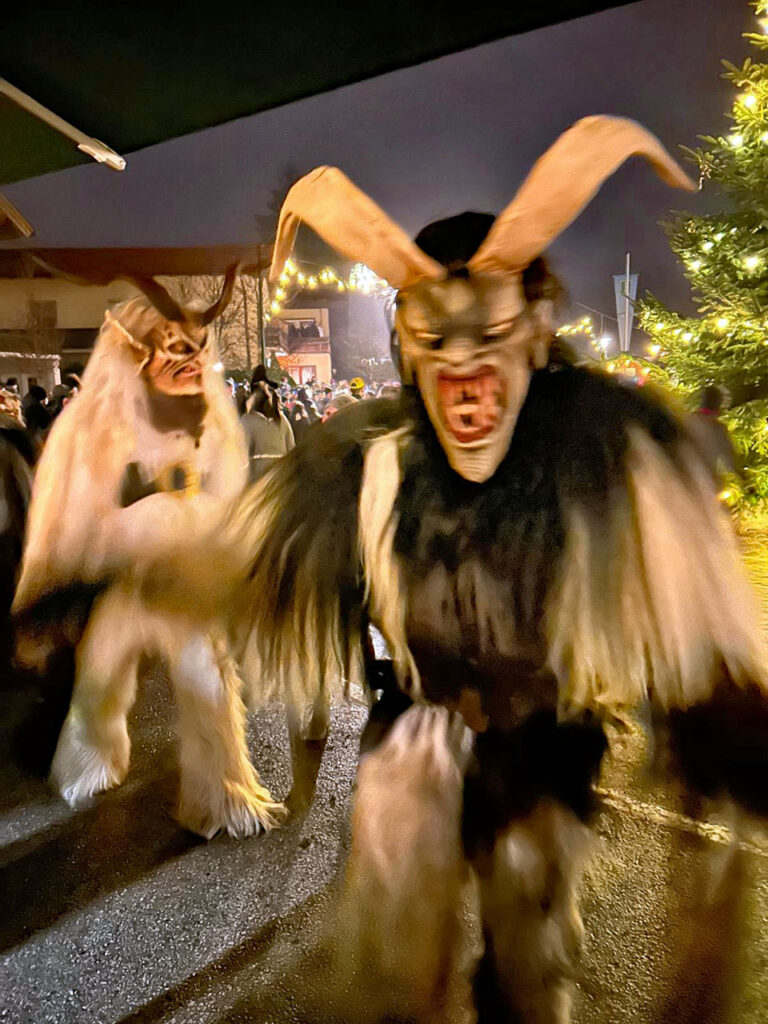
(561, 184)
(352, 223)
(163, 302)
(210, 314)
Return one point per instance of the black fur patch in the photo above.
(721, 745)
(60, 615)
(454, 240)
(511, 771)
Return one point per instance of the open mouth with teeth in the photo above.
(471, 406)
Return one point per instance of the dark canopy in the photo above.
(136, 73)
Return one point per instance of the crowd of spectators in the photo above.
(36, 410)
(277, 412)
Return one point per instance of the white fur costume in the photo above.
(77, 529)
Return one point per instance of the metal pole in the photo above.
(260, 311)
(626, 308)
(245, 324)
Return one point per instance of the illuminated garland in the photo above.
(587, 328)
(361, 280)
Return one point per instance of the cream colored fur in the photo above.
(378, 526)
(78, 531)
(106, 426)
(529, 908)
(653, 598)
(405, 870)
(301, 677)
(219, 788)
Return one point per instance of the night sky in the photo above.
(453, 134)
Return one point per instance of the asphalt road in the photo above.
(115, 915)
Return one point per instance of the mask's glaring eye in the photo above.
(428, 338)
(180, 348)
(500, 330)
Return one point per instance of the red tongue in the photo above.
(470, 406)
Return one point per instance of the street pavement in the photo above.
(114, 915)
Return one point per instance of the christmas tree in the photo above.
(725, 258)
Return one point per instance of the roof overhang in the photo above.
(100, 266)
(138, 75)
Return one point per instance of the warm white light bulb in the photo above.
(706, 246)
(736, 140)
(751, 262)
(722, 322)
(749, 100)
(687, 336)
(695, 264)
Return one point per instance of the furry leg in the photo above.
(93, 751)
(219, 787)
(308, 734)
(707, 912)
(403, 881)
(531, 922)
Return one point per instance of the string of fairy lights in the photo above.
(361, 279)
(586, 327)
(296, 277)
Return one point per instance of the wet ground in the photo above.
(115, 915)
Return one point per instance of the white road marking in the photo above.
(670, 819)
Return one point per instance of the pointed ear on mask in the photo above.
(141, 347)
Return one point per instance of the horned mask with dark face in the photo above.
(469, 335)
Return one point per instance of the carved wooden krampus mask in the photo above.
(170, 342)
(468, 336)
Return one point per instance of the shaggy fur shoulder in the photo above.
(600, 536)
(296, 531)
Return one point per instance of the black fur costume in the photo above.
(571, 450)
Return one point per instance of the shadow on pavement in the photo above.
(246, 956)
(126, 834)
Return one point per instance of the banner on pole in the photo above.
(625, 306)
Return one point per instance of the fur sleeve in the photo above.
(296, 535)
(652, 597)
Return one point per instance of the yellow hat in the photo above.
(357, 383)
